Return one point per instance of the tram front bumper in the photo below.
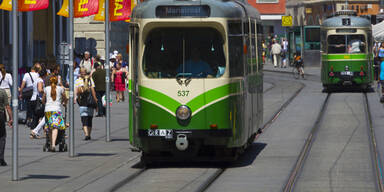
(171, 134)
(346, 80)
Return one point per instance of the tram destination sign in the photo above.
(183, 11)
(348, 30)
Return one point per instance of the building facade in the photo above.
(313, 12)
(41, 32)
(271, 12)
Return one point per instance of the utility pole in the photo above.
(15, 100)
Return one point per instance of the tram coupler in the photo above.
(181, 142)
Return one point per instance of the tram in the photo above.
(346, 46)
(196, 79)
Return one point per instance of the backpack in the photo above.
(82, 99)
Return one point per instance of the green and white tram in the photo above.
(347, 58)
(196, 87)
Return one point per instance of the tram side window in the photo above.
(260, 44)
(235, 49)
(253, 47)
(346, 44)
(323, 40)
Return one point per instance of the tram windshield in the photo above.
(184, 52)
(346, 44)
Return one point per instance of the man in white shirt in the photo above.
(87, 62)
(276, 50)
(28, 80)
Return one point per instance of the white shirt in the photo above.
(28, 80)
(87, 64)
(51, 105)
(276, 49)
(285, 45)
(7, 82)
(35, 87)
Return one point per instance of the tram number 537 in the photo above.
(181, 93)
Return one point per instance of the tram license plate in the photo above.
(347, 73)
(160, 133)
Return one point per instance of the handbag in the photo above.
(82, 99)
(39, 108)
(28, 91)
(90, 101)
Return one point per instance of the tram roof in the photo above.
(218, 8)
(338, 22)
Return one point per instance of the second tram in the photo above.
(196, 78)
(347, 59)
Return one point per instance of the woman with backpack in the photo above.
(86, 98)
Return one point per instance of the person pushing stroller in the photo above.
(54, 97)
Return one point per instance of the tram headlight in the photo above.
(183, 112)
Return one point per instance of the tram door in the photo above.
(133, 86)
(249, 80)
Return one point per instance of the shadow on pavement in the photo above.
(96, 154)
(55, 177)
(120, 139)
(249, 156)
(245, 159)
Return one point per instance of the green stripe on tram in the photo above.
(159, 98)
(196, 103)
(345, 56)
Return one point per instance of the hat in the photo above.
(113, 57)
(102, 58)
(115, 52)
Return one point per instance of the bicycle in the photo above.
(297, 72)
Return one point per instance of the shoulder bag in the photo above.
(39, 107)
(28, 91)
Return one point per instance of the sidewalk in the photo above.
(96, 159)
(310, 70)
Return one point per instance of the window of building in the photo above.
(267, 1)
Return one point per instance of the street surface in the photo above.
(340, 158)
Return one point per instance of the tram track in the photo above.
(303, 156)
(197, 186)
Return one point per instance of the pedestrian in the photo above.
(98, 77)
(119, 76)
(55, 71)
(26, 90)
(285, 52)
(76, 72)
(87, 62)
(119, 59)
(54, 97)
(264, 54)
(5, 82)
(38, 91)
(276, 51)
(84, 89)
(4, 106)
(380, 52)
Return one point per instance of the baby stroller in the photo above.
(60, 141)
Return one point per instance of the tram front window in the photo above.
(184, 52)
(346, 44)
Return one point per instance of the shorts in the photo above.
(87, 121)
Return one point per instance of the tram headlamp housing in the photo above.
(183, 112)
